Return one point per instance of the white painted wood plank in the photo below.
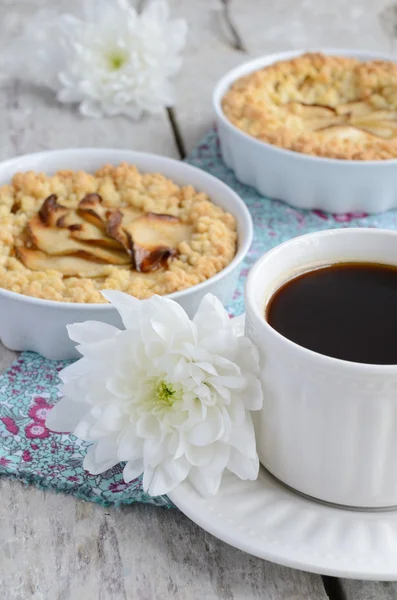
(268, 26)
(207, 56)
(369, 590)
(7, 357)
(32, 120)
(56, 547)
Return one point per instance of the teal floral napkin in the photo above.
(31, 453)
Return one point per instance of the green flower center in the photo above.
(117, 59)
(165, 394)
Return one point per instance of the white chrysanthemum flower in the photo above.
(170, 396)
(110, 60)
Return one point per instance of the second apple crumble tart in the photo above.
(320, 105)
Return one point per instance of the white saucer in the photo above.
(266, 519)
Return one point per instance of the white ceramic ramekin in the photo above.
(304, 181)
(328, 427)
(40, 325)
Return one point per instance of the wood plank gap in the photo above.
(140, 5)
(237, 42)
(176, 132)
(333, 588)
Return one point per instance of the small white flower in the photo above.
(170, 396)
(110, 61)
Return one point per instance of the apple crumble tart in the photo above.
(67, 236)
(320, 105)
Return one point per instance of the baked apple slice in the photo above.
(381, 123)
(91, 209)
(117, 225)
(57, 242)
(318, 117)
(50, 211)
(383, 129)
(69, 266)
(80, 229)
(155, 238)
(354, 109)
(151, 259)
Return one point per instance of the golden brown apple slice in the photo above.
(320, 124)
(318, 117)
(116, 231)
(344, 132)
(130, 213)
(316, 111)
(154, 229)
(117, 225)
(354, 109)
(80, 229)
(57, 242)
(155, 238)
(92, 235)
(383, 129)
(375, 115)
(51, 211)
(69, 266)
(380, 123)
(151, 259)
(91, 209)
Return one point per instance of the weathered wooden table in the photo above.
(57, 547)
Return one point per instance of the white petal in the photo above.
(118, 387)
(243, 438)
(221, 457)
(236, 410)
(206, 482)
(165, 477)
(76, 369)
(155, 11)
(248, 355)
(83, 428)
(199, 456)
(148, 427)
(234, 382)
(90, 108)
(132, 470)
(65, 415)
(91, 332)
(130, 446)
(210, 316)
(252, 395)
(106, 449)
(154, 452)
(207, 479)
(207, 431)
(111, 419)
(148, 475)
(95, 467)
(125, 304)
(243, 467)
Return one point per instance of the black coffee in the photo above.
(347, 310)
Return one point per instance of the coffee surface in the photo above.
(346, 310)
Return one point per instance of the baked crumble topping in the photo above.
(320, 105)
(67, 236)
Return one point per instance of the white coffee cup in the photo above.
(328, 427)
